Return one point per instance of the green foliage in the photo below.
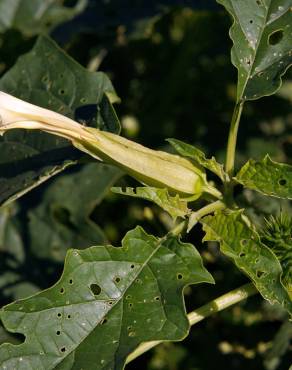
(267, 177)
(48, 77)
(243, 245)
(262, 50)
(61, 220)
(36, 16)
(198, 156)
(110, 299)
(101, 297)
(175, 206)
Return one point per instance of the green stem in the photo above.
(210, 208)
(231, 146)
(201, 313)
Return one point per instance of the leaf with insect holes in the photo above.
(187, 150)
(47, 77)
(36, 16)
(175, 206)
(106, 303)
(243, 245)
(267, 177)
(262, 44)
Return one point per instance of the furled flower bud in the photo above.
(151, 167)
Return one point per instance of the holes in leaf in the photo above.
(83, 100)
(241, 254)
(95, 288)
(251, 21)
(45, 79)
(71, 281)
(243, 242)
(62, 290)
(129, 328)
(110, 303)
(61, 92)
(68, 316)
(282, 182)
(63, 349)
(130, 305)
(117, 279)
(132, 266)
(58, 332)
(59, 314)
(103, 321)
(179, 276)
(276, 37)
(138, 281)
(260, 273)
(157, 298)
(128, 296)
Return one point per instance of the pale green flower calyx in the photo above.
(151, 167)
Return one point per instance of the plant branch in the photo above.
(232, 138)
(218, 304)
(210, 208)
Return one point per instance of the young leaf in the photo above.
(262, 50)
(36, 16)
(267, 177)
(197, 155)
(46, 76)
(106, 303)
(175, 206)
(242, 244)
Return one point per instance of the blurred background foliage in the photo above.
(169, 62)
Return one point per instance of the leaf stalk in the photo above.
(218, 304)
(232, 138)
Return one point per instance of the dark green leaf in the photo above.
(171, 204)
(36, 16)
(106, 303)
(262, 51)
(198, 156)
(47, 77)
(242, 244)
(267, 177)
(61, 221)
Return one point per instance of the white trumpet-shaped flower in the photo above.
(151, 167)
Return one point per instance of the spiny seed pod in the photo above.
(277, 235)
(151, 167)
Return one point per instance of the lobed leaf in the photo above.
(262, 44)
(197, 155)
(106, 303)
(36, 16)
(267, 177)
(242, 244)
(175, 206)
(47, 77)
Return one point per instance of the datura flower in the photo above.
(150, 167)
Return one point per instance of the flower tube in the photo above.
(150, 167)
